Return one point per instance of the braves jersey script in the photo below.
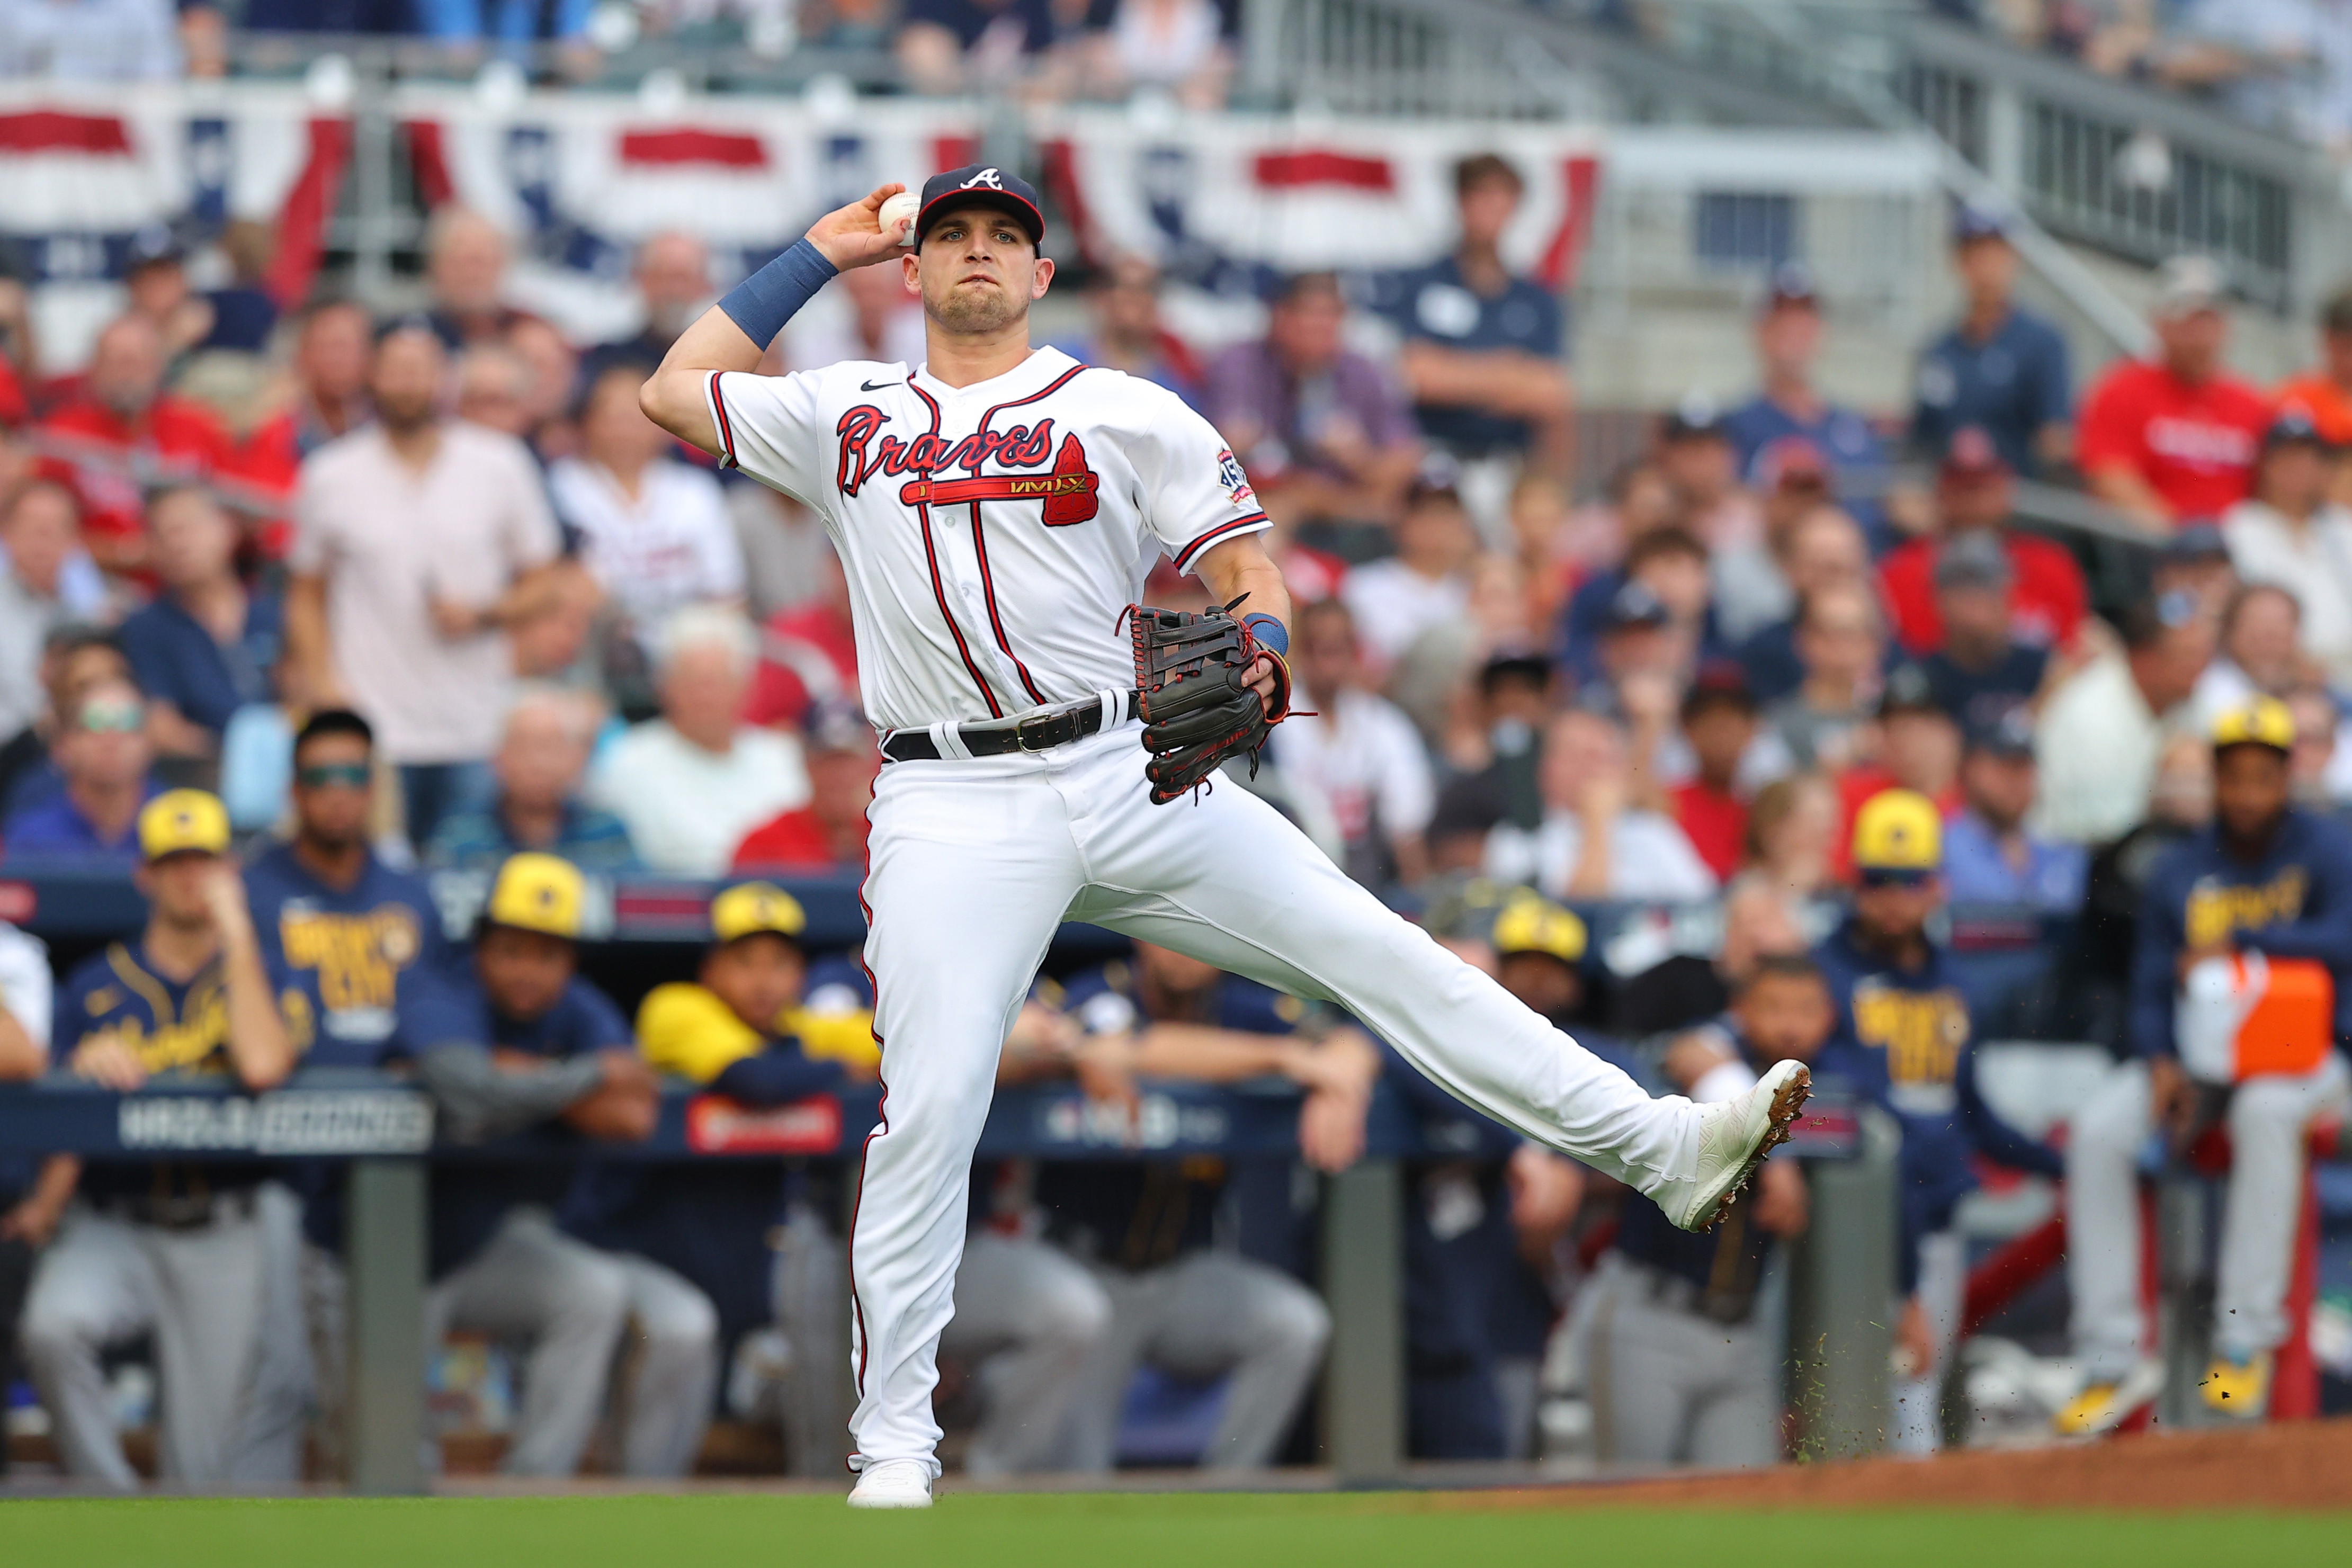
(993, 534)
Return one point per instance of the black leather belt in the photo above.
(1038, 732)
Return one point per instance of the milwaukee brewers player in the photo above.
(996, 508)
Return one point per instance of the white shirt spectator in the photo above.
(2098, 745)
(90, 40)
(687, 808)
(2313, 562)
(1366, 759)
(25, 983)
(1393, 605)
(675, 544)
(1650, 859)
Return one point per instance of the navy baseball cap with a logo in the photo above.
(981, 184)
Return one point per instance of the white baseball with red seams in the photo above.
(991, 535)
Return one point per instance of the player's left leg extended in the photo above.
(1225, 879)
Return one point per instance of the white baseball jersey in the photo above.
(992, 534)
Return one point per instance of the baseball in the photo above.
(905, 204)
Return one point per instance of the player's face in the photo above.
(524, 972)
(1172, 970)
(977, 272)
(1785, 1016)
(758, 977)
(175, 887)
(1543, 982)
(2250, 784)
(1895, 910)
(331, 790)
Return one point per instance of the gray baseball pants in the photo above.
(1033, 1317)
(1672, 1386)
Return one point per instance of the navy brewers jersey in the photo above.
(347, 950)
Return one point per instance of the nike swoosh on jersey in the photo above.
(877, 386)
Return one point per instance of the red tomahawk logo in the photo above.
(1068, 492)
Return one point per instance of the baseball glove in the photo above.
(1196, 710)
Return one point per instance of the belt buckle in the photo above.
(1021, 732)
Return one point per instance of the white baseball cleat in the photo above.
(1735, 1136)
(893, 1483)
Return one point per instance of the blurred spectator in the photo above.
(1917, 748)
(329, 386)
(541, 765)
(1591, 543)
(2001, 370)
(377, 17)
(1357, 751)
(125, 433)
(1789, 409)
(672, 273)
(72, 658)
(2319, 769)
(2324, 392)
(2179, 802)
(90, 40)
(2258, 653)
(2291, 534)
(1700, 466)
(2280, 66)
(466, 258)
(2101, 733)
(808, 655)
(422, 540)
(1128, 334)
(1838, 644)
(548, 390)
(1974, 494)
(2174, 439)
(494, 390)
(2195, 562)
(1498, 760)
(1484, 350)
(1146, 1228)
(1793, 828)
(829, 833)
(1824, 550)
(1759, 923)
(205, 646)
(1395, 599)
(506, 21)
(340, 922)
(103, 753)
(37, 533)
(874, 317)
(692, 783)
(1982, 671)
(1755, 584)
(1324, 432)
(191, 1255)
(948, 47)
(155, 278)
(1593, 843)
(1719, 722)
(1546, 546)
(652, 530)
(243, 314)
(1185, 46)
(1990, 854)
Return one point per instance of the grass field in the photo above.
(1099, 1531)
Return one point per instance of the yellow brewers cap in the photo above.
(1898, 829)
(182, 820)
(753, 907)
(2262, 721)
(537, 893)
(1532, 924)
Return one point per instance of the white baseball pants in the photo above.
(974, 864)
(2269, 1118)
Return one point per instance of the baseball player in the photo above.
(2265, 878)
(181, 1251)
(996, 510)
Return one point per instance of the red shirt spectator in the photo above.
(1716, 822)
(124, 434)
(14, 408)
(1974, 490)
(793, 841)
(829, 833)
(807, 655)
(2175, 437)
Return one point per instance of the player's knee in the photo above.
(54, 1329)
(2267, 1108)
(1295, 1321)
(1075, 1315)
(679, 1322)
(2114, 1122)
(590, 1292)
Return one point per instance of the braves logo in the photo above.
(988, 178)
(1068, 491)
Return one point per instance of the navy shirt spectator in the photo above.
(1990, 857)
(102, 753)
(542, 758)
(943, 45)
(1482, 347)
(1982, 671)
(2000, 368)
(1128, 334)
(1791, 408)
(207, 645)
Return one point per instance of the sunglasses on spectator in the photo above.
(332, 775)
(1888, 877)
(113, 718)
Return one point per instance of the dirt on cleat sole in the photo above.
(1785, 1106)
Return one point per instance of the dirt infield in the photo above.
(2302, 1465)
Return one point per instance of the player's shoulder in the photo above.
(96, 985)
(1112, 397)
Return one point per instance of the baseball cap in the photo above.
(183, 821)
(2188, 284)
(752, 907)
(152, 243)
(537, 892)
(1789, 459)
(2292, 425)
(1697, 417)
(1907, 690)
(1897, 831)
(981, 184)
(1973, 221)
(1719, 681)
(1791, 283)
(2260, 721)
(1634, 605)
(1532, 924)
(1971, 454)
(2008, 734)
(2193, 542)
(1972, 560)
(838, 726)
(1513, 665)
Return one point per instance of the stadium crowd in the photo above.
(428, 591)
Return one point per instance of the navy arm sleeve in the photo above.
(776, 1076)
(1991, 1133)
(2156, 954)
(2325, 937)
